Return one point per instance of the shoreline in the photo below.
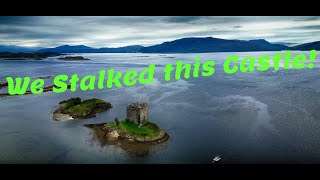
(114, 135)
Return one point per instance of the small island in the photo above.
(73, 58)
(136, 128)
(27, 56)
(45, 89)
(73, 108)
(5, 83)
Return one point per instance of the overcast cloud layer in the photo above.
(121, 31)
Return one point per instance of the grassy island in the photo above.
(88, 107)
(150, 129)
(149, 133)
(73, 108)
(136, 128)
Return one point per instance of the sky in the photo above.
(116, 31)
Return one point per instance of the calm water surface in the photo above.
(258, 117)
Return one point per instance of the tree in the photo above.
(117, 121)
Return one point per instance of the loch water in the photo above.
(256, 117)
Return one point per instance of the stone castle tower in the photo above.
(138, 113)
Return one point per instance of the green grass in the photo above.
(148, 130)
(112, 126)
(87, 107)
(72, 102)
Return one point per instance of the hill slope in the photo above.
(308, 46)
(18, 49)
(209, 44)
(86, 49)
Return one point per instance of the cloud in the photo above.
(16, 20)
(182, 19)
(310, 18)
(113, 31)
(236, 27)
(311, 27)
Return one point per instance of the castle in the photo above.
(138, 113)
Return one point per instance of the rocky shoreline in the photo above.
(162, 137)
(102, 131)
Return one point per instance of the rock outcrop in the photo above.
(73, 58)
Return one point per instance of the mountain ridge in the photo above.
(210, 44)
(308, 46)
(183, 45)
(87, 49)
(17, 49)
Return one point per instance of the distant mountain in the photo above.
(68, 49)
(86, 49)
(289, 44)
(184, 45)
(17, 49)
(126, 49)
(209, 44)
(268, 45)
(308, 46)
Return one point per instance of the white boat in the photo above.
(216, 159)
